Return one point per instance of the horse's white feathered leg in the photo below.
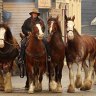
(31, 88)
(71, 87)
(8, 82)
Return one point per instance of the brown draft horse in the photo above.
(8, 52)
(79, 49)
(57, 52)
(35, 58)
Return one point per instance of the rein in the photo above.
(69, 30)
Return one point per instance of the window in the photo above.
(53, 0)
(0, 17)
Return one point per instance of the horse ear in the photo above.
(66, 17)
(22, 35)
(73, 18)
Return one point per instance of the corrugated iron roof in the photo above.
(93, 22)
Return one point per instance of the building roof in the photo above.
(93, 22)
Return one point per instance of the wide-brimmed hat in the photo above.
(35, 11)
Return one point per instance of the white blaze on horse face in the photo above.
(51, 26)
(41, 34)
(70, 26)
(70, 35)
(2, 32)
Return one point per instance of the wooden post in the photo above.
(64, 13)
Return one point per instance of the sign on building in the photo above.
(44, 3)
(0, 10)
(60, 1)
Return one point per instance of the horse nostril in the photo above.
(40, 36)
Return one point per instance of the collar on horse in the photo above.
(69, 30)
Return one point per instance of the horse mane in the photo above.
(8, 34)
(58, 25)
(76, 32)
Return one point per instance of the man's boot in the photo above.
(1, 83)
(8, 83)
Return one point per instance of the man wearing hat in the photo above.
(26, 28)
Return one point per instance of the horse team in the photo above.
(79, 49)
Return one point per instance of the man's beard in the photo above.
(35, 18)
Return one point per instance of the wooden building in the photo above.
(88, 14)
(75, 9)
(20, 9)
(0, 10)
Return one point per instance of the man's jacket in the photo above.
(29, 23)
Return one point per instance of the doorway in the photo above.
(44, 16)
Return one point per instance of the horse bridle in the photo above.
(69, 30)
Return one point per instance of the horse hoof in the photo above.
(53, 90)
(1, 88)
(8, 91)
(59, 90)
(53, 86)
(30, 92)
(82, 88)
(78, 82)
(87, 85)
(31, 89)
(38, 89)
(71, 89)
